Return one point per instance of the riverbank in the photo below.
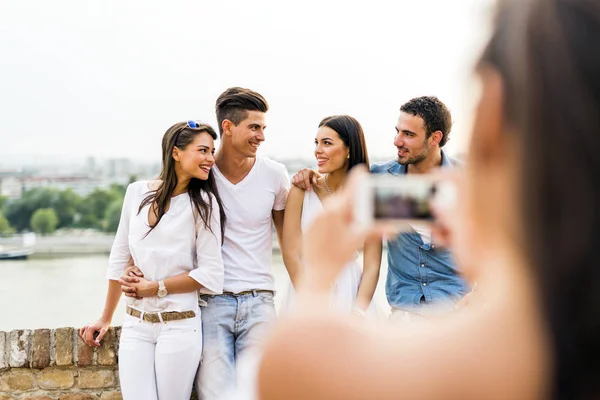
(76, 245)
(54, 292)
(72, 245)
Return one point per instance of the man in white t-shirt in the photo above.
(254, 191)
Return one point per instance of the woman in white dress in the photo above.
(172, 229)
(339, 146)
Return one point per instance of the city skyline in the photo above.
(86, 81)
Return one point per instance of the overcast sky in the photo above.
(107, 78)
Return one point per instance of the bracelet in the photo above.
(359, 312)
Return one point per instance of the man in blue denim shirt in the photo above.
(420, 275)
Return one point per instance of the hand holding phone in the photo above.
(398, 202)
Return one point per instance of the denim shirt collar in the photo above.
(399, 169)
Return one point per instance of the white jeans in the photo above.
(158, 361)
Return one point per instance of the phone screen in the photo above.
(406, 199)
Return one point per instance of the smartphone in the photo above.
(396, 201)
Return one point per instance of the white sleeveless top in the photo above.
(345, 289)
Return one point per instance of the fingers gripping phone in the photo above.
(398, 201)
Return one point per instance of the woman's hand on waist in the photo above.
(130, 277)
(146, 288)
(138, 287)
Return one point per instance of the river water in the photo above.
(70, 291)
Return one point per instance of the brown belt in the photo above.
(247, 292)
(156, 317)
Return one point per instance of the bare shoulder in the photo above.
(315, 356)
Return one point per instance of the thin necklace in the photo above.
(327, 186)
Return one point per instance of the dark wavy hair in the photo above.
(181, 135)
(435, 114)
(234, 104)
(351, 133)
(544, 52)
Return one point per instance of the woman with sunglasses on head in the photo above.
(526, 227)
(172, 229)
(339, 147)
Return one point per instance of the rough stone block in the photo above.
(37, 398)
(111, 396)
(85, 353)
(40, 357)
(21, 381)
(19, 348)
(78, 396)
(96, 379)
(3, 383)
(3, 358)
(64, 346)
(118, 339)
(6, 397)
(107, 354)
(56, 379)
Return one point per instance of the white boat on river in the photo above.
(17, 247)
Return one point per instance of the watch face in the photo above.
(162, 293)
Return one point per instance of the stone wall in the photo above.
(46, 364)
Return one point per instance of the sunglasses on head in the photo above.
(189, 124)
(193, 124)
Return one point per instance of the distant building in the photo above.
(82, 185)
(119, 168)
(11, 187)
(90, 166)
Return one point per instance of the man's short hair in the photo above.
(434, 113)
(234, 104)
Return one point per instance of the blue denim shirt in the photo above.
(419, 274)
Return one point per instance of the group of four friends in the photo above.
(193, 250)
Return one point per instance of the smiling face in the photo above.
(330, 151)
(411, 139)
(247, 136)
(197, 158)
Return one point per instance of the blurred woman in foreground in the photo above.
(526, 227)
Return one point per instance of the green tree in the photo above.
(3, 200)
(118, 189)
(19, 212)
(44, 221)
(5, 228)
(113, 215)
(93, 207)
(66, 207)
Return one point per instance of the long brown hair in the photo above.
(181, 135)
(545, 51)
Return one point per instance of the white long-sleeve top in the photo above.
(175, 246)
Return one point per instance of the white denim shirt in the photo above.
(178, 244)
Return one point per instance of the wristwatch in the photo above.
(162, 290)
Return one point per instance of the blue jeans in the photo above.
(231, 325)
